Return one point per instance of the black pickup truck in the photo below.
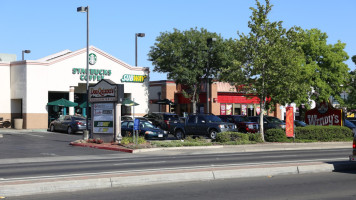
(200, 125)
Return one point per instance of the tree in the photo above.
(325, 64)
(183, 55)
(351, 88)
(267, 60)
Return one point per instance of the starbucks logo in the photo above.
(92, 59)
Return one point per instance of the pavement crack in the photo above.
(214, 178)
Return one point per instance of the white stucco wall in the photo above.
(61, 78)
(37, 89)
(30, 81)
(18, 83)
(5, 105)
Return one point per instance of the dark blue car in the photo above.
(147, 129)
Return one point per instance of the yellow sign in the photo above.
(133, 78)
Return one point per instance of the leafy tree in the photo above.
(267, 60)
(183, 55)
(325, 64)
(351, 89)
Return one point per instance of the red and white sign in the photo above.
(324, 114)
(103, 91)
(222, 109)
(289, 121)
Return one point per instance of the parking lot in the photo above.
(43, 144)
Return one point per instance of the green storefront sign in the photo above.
(94, 74)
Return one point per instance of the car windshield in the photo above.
(274, 120)
(78, 118)
(170, 117)
(301, 123)
(213, 118)
(241, 119)
(146, 124)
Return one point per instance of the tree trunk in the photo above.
(262, 109)
(194, 98)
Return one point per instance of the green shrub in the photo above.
(128, 140)
(232, 138)
(324, 133)
(310, 134)
(255, 137)
(275, 135)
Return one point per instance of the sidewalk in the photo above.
(12, 130)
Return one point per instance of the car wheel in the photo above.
(179, 134)
(52, 129)
(69, 130)
(212, 134)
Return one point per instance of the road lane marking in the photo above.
(138, 163)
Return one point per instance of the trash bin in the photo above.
(18, 123)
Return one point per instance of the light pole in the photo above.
(208, 43)
(23, 53)
(86, 9)
(137, 35)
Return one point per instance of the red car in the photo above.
(242, 122)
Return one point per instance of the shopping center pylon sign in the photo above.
(324, 114)
(106, 98)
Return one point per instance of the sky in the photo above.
(49, 26)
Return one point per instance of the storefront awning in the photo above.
(164, 102)
(84, 105)
(129, 102)
(62, 102)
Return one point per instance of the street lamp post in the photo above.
(86, 9)
(137, 35)
(208, 43)
(23, 53)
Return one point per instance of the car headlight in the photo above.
(148, 132)
(283, 126)
(165, 132)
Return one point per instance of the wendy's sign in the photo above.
(324, 114)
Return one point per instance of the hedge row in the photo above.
(312, 133)
(238, 138)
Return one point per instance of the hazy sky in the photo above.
(49, 26)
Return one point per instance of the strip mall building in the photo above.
(27, 86)
(224, 98)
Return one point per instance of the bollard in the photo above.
(86, 135)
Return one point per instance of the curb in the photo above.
(125, 179)
(96, 146)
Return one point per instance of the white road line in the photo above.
(36, 135)
(138, 163)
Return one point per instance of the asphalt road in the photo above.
(321, 186)
(132, 163)
(43, 154)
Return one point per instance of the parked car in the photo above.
(298, 123)
(269, 122)
(350, 125)
(162, 120)
(200, 125)
(353, 128)
(147, 129)
(242, 122)
(68, 123)
(352, 120)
